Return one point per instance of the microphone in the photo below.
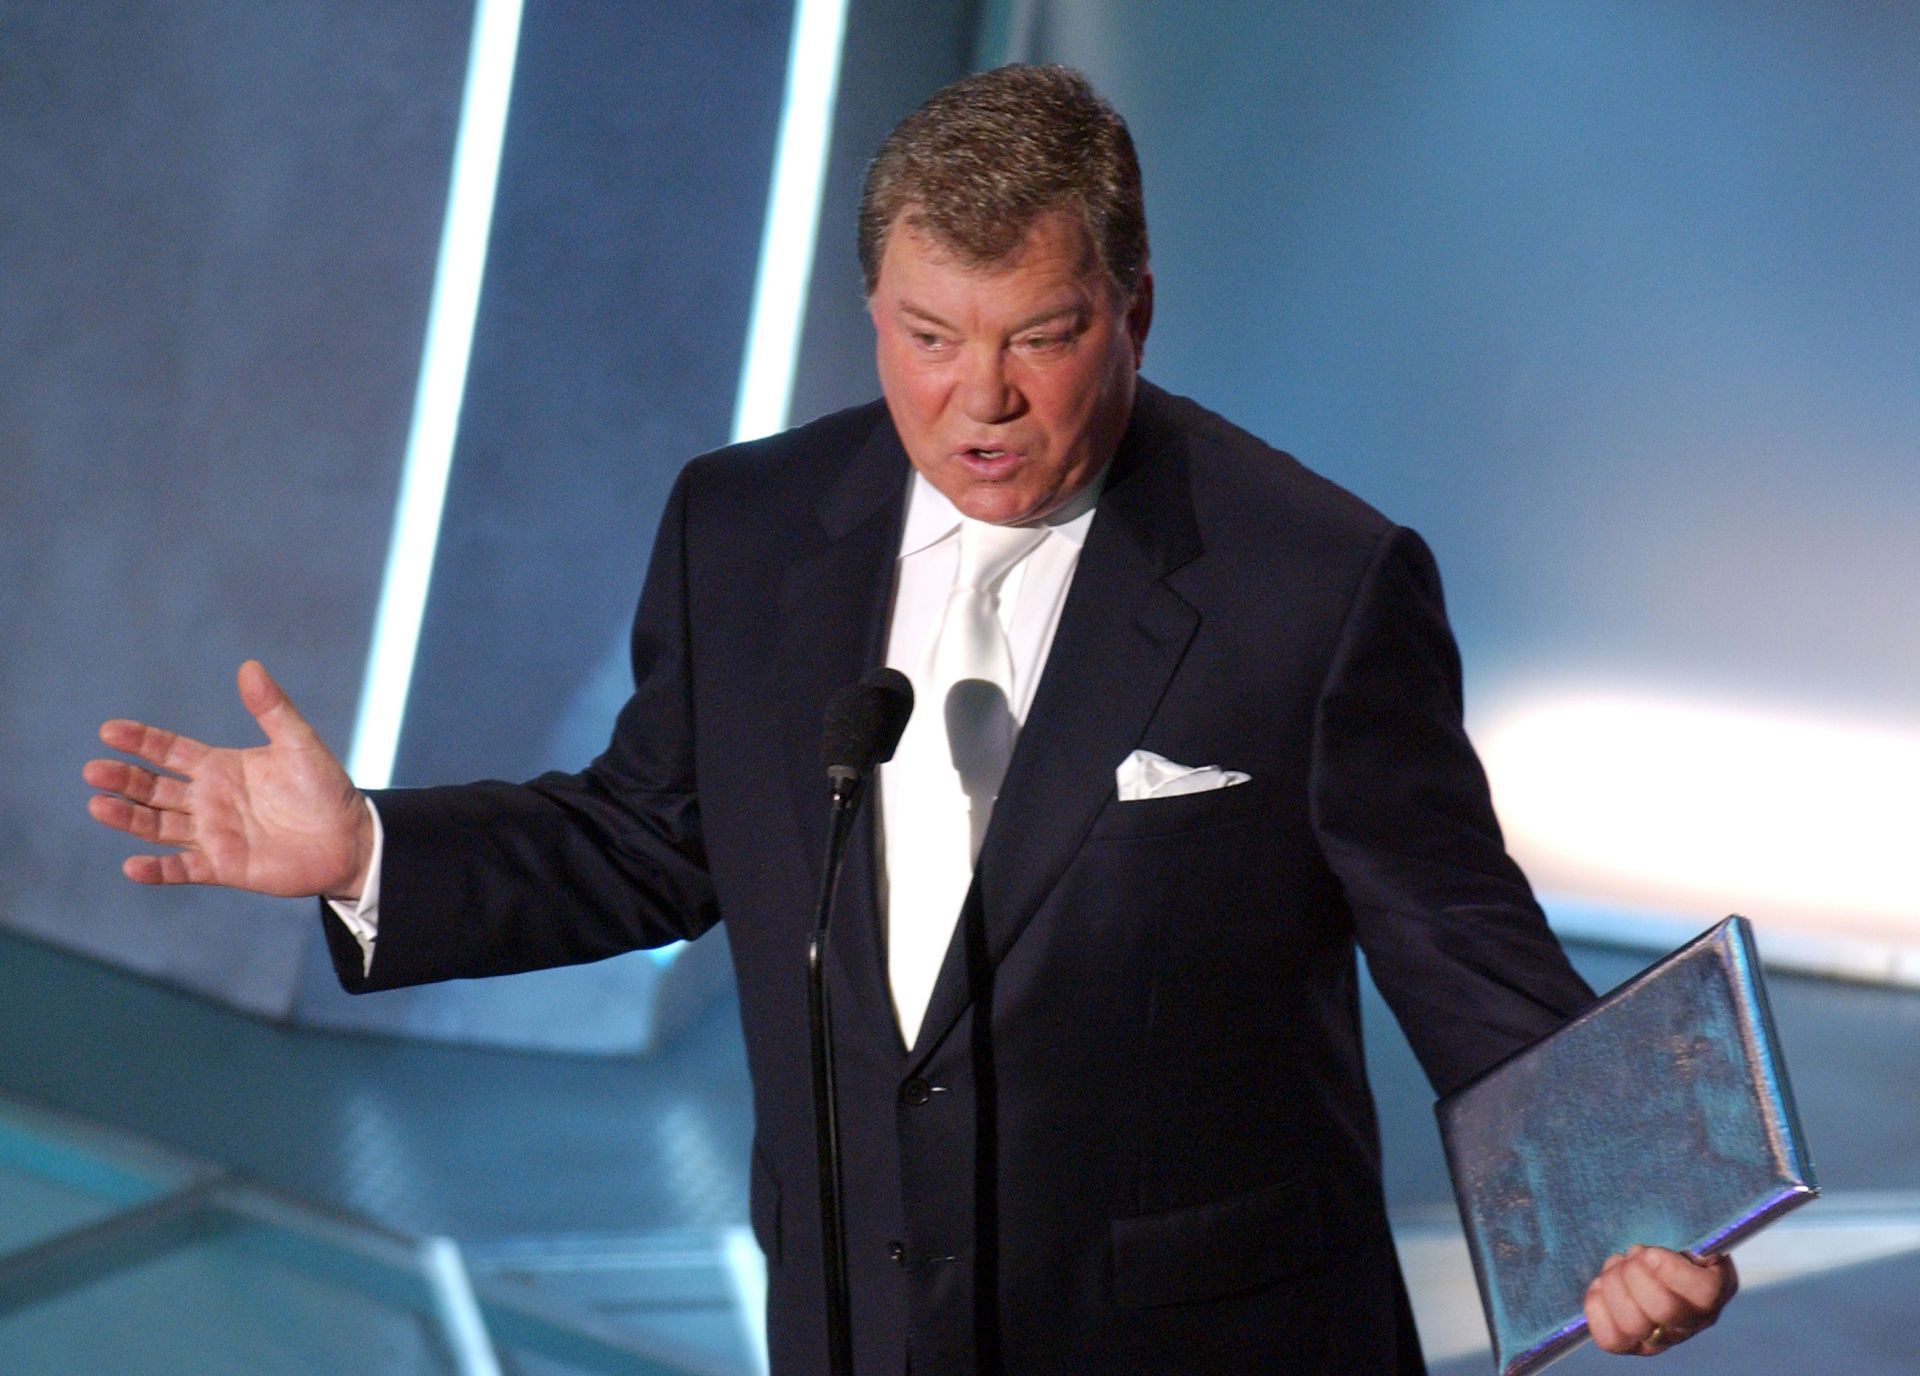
(863, 725)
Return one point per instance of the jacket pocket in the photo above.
(1219, 1249)
(763, 1205)
(1179, 812)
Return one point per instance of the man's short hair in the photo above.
(984, 158)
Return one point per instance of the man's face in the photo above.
(1010, 384)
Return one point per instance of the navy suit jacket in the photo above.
(1134, 1133)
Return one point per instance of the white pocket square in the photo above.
(1144, 774)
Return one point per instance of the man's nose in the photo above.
(987, 394)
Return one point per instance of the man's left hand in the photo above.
(1648, 1300)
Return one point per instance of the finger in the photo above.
(272, 708)
(1683, 1296)
(1606, 1333)
(168, 749)
(149, 824)
(184, 867)
(1697, 1284)
(141, 785)
(143, 869)
(1676, 1292)
(1660, 1302)
(1630, 1321)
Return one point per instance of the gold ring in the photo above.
(1659, 1337)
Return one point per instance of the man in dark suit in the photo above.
(1117, 1120)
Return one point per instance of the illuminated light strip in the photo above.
(462, 1323)
(787, 237)
(1672, 805)
(747, 1271)
(443, 380)
(793, 219)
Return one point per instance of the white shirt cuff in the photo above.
(362, 918)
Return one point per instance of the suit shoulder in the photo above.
(1240, 481)
(794, 466)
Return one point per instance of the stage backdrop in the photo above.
(1613, 303)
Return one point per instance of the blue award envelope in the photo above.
(1661, 1115)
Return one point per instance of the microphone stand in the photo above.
(863, 725)
(826, 1112)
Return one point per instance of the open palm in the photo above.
(281, 818)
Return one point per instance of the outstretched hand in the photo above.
(281, 818)
(1650, 1298)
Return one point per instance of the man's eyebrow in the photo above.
(918, 313)
(1070, 309)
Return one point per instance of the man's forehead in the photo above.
(1056, 231)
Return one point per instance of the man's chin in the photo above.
(1001, 505)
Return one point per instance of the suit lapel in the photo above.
(833, 623)
(1122, 634)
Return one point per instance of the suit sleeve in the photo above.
(495, 878)
(1452, 934)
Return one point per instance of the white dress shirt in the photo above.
(1030, 600)
(1027, 605)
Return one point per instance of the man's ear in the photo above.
(1140, 316)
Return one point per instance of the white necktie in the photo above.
(951, 760)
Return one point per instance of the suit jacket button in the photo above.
(897, 1253)
(915, 1092)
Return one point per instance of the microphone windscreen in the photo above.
(864, 721)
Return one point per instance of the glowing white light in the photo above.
(1689, 804)
(793, 218)
(747, 1270)
(787, 237)
(443, 381)
(462, 1322)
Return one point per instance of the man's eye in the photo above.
(928, 341)
(1042, 343)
